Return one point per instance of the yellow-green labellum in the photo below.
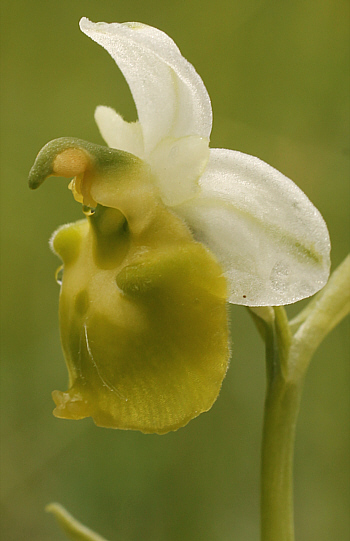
(143, 315)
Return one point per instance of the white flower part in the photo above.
(177, 165)
(273, 244)
(170, 97)
(270, 239)
(118, 133)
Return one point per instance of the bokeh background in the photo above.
(278, 77)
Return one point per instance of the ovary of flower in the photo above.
(176, 231)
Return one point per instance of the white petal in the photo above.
(272, 242)
(118, 133)
(170, 97)
(177, 165)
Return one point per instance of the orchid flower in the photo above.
(173, 231)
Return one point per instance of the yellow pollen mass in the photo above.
(71, 162)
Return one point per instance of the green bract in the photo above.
(172, 232)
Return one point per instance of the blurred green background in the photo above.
(278, 77)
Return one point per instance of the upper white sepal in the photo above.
(170, 97)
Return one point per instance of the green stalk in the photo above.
(281, 412)
(280, 416)
(287, 359)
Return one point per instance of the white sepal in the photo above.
(170, 97)
(177, 165)
(272, 242)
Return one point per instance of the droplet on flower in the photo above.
(59, 275)
(88, 211)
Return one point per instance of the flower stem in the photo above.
(281, 412)
(287, 358)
